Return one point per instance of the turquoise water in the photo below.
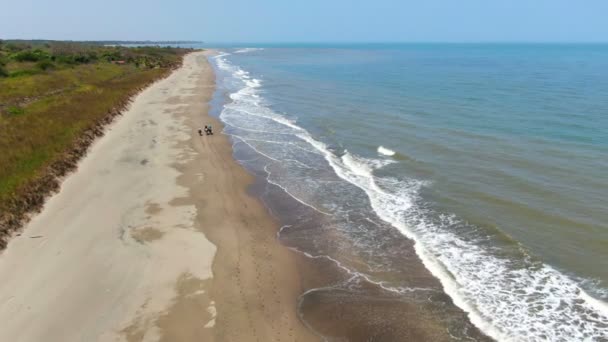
(492, 159)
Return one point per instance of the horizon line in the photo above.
(190, 41)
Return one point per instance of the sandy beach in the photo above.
(153, 238)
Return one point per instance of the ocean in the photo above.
(434, 191)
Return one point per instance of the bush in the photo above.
(31, 56)
(82, 59)
(79, 58)
(92, 55)
(110, 56)
(45, 65)
(25, 72)
(14, 110)
(3, 72)
(65, 59)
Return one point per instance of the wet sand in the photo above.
(153, 238)
(345, 306)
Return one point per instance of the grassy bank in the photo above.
(54, 100)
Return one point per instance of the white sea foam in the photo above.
(364, 166)
(246, 50)
(294, 196)
(508, 300)
(385, 151)
(505, 302)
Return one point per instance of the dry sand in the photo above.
(154, 238)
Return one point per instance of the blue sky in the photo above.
(308, 20)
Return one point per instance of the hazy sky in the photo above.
(307, 20)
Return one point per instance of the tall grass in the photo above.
(47, 121)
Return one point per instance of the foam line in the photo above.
(356, 274)
(246, 50)
(527, 301)
(227, 122)
(293, 196)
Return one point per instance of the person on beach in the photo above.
(208, 130)
(200, 132)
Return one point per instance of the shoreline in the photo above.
(447, 273)
(251, 268)
(165, 244)
(343, 297)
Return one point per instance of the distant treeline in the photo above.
(105, 42)
(145, 42)
(19, 57)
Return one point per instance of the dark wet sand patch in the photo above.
(192, 315)
(153, 208)
(147, 234)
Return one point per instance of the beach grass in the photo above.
(44, 112)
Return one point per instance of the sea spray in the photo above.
(385, 151)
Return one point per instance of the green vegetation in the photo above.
(52, 94)
(14, 110)
(22, 58)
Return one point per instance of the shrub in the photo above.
(92, 55)
(14, 110)
(65, 59)
(3, 71)
(112, 56)
(45, 65)
(82, 59)
(24, 72)
(78, 58)
(31, 56)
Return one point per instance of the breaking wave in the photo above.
(507, 293)
(385, 151)
(247, 50)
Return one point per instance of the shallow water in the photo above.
(483, 164)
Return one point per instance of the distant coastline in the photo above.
(108, 42)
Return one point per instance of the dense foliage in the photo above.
(19, 58)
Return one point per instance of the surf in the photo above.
(385, 151)
(508, 299)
